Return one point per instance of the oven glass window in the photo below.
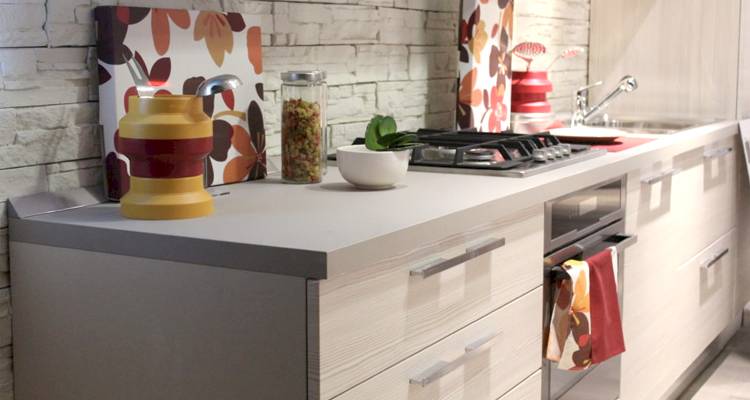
(585, 208)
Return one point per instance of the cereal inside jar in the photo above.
(303, 142)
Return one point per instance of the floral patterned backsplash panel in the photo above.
(485, 34)
(179, 49)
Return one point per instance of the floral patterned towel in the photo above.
(569, 342)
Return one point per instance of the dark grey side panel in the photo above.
(93, 326)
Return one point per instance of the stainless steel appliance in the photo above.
(507, 154)
(578, 226)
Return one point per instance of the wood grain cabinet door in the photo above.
(679, 208)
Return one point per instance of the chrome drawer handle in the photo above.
(442, 368)
(711, 261)
(717, 153)
(660, 177)
(441, 264)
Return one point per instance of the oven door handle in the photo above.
(620, 241)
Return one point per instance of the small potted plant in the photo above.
(382, 161)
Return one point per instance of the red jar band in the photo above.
(151, 158)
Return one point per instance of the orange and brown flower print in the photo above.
(177, 49)
(215, 30)
(569, 341)
(160, 18)
(484, 36)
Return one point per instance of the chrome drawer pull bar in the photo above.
(714, 259)
(660, 177)
(442, 368)
(441, 264)
(717, 153)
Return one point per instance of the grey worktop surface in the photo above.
(269, 226)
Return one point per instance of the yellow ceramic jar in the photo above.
(166, 140)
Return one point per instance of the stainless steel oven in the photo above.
(578, 226)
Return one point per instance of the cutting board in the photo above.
(179, 49)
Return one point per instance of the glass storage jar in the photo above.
(303, 126)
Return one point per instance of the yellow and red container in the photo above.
(166, 139)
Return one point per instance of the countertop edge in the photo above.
(240, 256)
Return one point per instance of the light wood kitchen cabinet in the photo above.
(683, 210)
(199, 331)
(370, 320)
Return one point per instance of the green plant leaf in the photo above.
(405, 139)
(387, 126)
(372, 134)
(389, 139)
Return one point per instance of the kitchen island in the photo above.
(306, 292)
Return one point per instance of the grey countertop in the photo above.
(268, 226)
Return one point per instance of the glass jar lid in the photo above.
(315, 76)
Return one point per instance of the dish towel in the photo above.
(569, 342)
(607, 338)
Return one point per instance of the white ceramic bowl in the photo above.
(372, 170)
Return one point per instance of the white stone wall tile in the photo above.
(22, 181)
(22, 25)
(62, 181)
(432, 62)
(46, 146)
(432, 5)
(3, 214)
(7, 126)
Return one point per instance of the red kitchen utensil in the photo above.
(528, 51)
(567, 53)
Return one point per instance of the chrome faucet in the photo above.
(583, 113)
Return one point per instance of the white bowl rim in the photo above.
(362, 149)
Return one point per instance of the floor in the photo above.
(728, 377)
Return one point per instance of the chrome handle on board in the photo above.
(439, 265)
(623, 241)
(660, 177)
(442, 368)
(711, 261)
(717, 153)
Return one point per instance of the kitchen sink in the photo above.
(662, 127)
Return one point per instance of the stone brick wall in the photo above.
(383, 56)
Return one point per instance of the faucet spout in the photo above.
(582, 114)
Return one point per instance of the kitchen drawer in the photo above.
(380, 315)
(698, 305)
(481, 361)
(529, 389)
(678, 215)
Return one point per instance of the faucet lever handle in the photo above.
(583, 90)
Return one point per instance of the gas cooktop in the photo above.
(501, 154)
